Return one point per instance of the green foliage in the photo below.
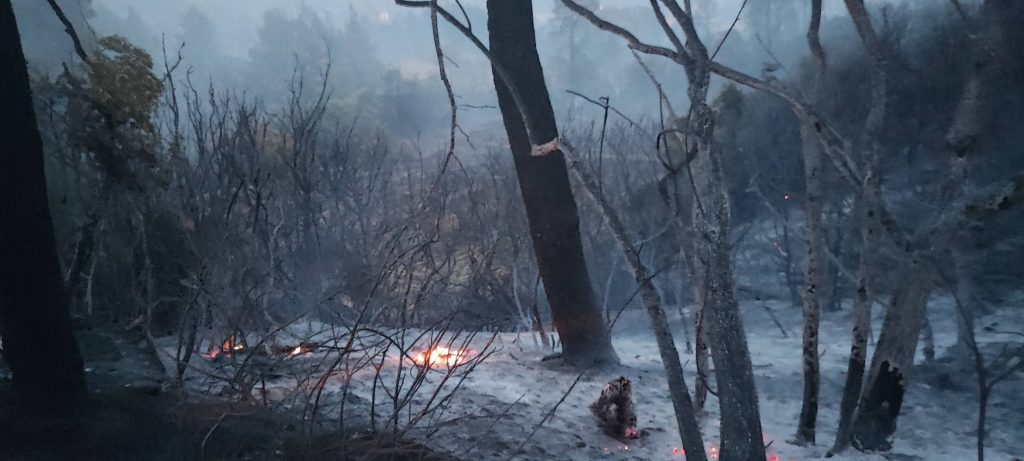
(109, 113)
(123, 84)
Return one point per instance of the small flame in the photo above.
(229, 346)
(440, 356)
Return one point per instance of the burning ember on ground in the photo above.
(712, 453)
(230, 346)
(440, 356)
(298, 349)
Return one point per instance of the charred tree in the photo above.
(615, 411)
(893, 358)
(35, 325)
(544, 182)
(741, 436)
(877, 412)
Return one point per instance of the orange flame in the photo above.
(441, 356)
(230, 345)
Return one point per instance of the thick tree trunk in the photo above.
(741, 437)
(891, 363)
(544, 182)
(38, 343)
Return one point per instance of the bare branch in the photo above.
(70, 29)
(632, 40)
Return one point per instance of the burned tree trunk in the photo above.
(863, 302)
(876, 414)
(544, 183)
(870, 201)
(615, 411)
(894, 355)
(38, 344)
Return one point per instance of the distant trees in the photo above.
(35, 325)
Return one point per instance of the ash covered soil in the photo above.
(136, 410)
(495, 412)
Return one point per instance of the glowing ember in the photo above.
(679, 452)
(440, 356)
(229, 346)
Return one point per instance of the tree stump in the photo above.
(615, 411)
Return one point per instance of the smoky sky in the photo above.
(223, 38)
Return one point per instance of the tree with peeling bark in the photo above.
(741, 437)
(48, 373)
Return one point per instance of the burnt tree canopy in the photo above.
(544, 182)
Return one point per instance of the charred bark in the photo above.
(879, 406)
(871, 204)
(544, 182)
(38, 343)
(862, 304)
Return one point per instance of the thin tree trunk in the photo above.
(815, 239)
(870, 202)
(701, 357)
(965, 293)
(83, 256)
(39, 346)
(982, 415)
(813, 263)
(929, 341)
(862, 304)
(689, 429)
(544, 182)
(787, 262)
